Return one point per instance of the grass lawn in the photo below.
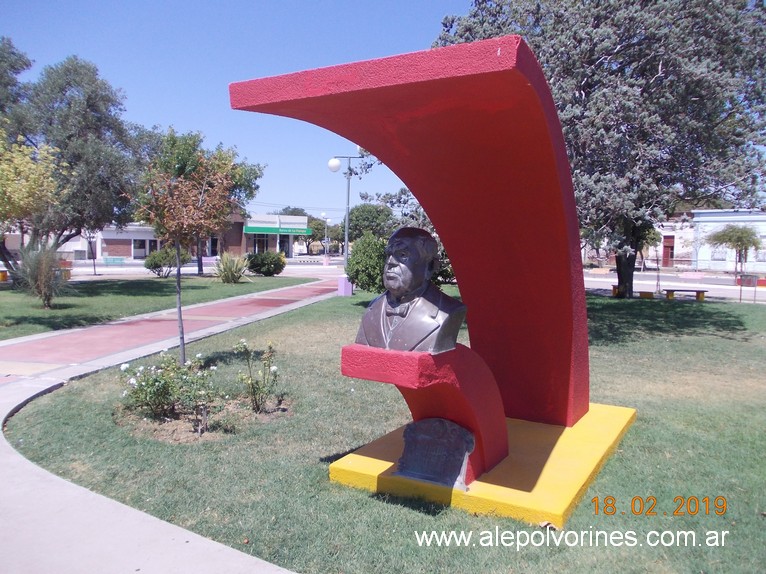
(105, 300)
(694, 372)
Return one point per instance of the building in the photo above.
(262, 232)
(280, 233)
(684, 244)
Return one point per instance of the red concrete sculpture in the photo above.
(473, 132)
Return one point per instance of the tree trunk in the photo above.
(92, 252)
(200, 271)
(182, 343)
(625, 259)
(625, 267)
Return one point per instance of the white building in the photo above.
(684, 241)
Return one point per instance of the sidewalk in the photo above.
(48, 524)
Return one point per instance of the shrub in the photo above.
(230, 269)
(163, 261)
(39, 275)
(160, 389)
(260, 380)
(365, 263)
(267, 263)
(153, 389)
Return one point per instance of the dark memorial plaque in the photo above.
(436, 450)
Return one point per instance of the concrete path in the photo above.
(48, 524)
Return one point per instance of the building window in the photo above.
(139, 248)
(718, 253)
(261, 243)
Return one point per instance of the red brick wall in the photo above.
(118, 247)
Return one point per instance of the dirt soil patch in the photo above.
(226, 420)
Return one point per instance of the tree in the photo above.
(740, 238)
(74, 110)
(660, 102)
(365, 263)
(375, 218)
(27, 181)
(292, 211)
(317, 228)
(179, 155)
(189, 194)
(12, 63)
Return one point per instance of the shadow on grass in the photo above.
(331, 458)
(418, 505)
(53, 322)
(615, 321)
(229, 357)
(133, 288)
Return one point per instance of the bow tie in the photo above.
(399, 311)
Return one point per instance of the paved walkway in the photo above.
(48, 524)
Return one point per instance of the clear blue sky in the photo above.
(174, 60)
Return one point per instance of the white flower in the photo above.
(124, 394)
(213, 368)
(132, 382)
(198, 355)
(141, 368)
(242, 341)
(274, 368)
(124, 367)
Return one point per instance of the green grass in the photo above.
(105, 300)
(694, 372)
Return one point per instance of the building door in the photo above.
(668, 250)
(284, 244)
(261, 243)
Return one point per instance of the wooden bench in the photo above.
(646, 294)
(699, 293)
(111, 261)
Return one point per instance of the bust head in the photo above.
(411, 259)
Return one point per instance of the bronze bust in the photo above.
(413, 314)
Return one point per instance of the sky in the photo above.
(174, 60)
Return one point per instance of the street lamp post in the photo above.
(334, 165)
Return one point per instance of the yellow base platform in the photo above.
(546, 472)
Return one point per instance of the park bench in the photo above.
(111, 261)
(699, 293)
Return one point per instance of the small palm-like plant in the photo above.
(39, 274)
(230, 269)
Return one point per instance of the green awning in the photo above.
(278, 230)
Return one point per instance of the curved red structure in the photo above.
(473, 132)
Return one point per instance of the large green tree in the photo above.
(661, 102)
(12, 63)
(375, 218)
(71, 108)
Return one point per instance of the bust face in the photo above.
(406, 269)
